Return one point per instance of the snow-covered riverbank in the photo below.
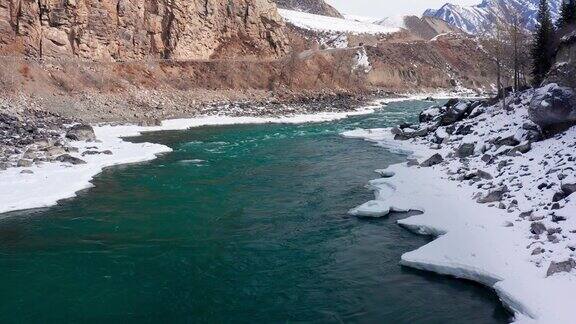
(494, 202)
(44, 185)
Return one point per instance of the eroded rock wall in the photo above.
(111, 30)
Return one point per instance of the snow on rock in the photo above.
(362, 61)
(374, 208)
(331, 24)
(522, 240)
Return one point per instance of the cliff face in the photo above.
(564, 70)
(108, 30)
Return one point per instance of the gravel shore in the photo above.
(36, 130)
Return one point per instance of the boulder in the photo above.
(507, 141)
(433, 160)
(553, 108)
(396, 131)
(54, 151)
(66, 158)
(493, 196)
(81, 132)
(24, 163)
(464, 130)
(559, 267)
(558, 196)
(466, 150)
(538, 251)
(431, 114)
(483, 175)
(537, 228)
(401, 137)
(568, 189)
(522, 148)
(454, 113)
(412, 162)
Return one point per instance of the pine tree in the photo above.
(543, 50)
(567, 14)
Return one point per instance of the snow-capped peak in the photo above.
(480, 18)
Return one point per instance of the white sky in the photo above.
(387, 8)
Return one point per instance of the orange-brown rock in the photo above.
(113, 30)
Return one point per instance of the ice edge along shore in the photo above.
(51, 182)
(476, 241)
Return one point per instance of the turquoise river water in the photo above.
(240, 224)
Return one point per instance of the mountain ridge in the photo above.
(480, 18)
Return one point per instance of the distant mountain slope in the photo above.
(317, 7)
(425, 27)
(480, 18)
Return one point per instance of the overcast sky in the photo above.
(386, 8)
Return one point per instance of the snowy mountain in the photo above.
(480, 18)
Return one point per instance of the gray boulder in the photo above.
(538, 251)
(81, 132)
(559, 267)
(560, 195)
(24, 163)
(455, 113)
(466, 150)
(66, 158)
(433, 160)
(537, 228)
(507, 141)
(493, 196)
(522, 148)
(553, 108)
(569, 189)
(431, 114)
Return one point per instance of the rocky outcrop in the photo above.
(317, 7)
(564, 70)
(116, 30)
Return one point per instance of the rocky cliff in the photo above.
(451, 61)
(114, 30)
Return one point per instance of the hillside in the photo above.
(416, 54)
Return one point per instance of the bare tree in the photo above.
(507, 44)
(519, 42)
(496, 44)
